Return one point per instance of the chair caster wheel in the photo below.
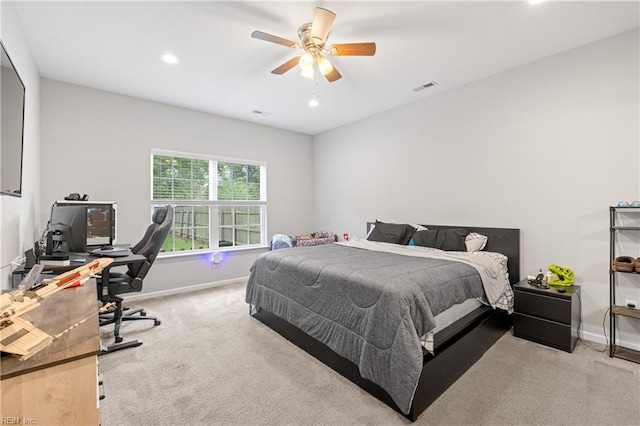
(156, 322)
(118, 339)
(143, 314)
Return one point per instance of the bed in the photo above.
(361, 310)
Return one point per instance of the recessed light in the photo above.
(313, 103)
(169, 58)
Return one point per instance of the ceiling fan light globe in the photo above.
(306, 61)
(324, 65)
(307, 73)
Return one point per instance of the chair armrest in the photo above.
(113, 285)
(136, 282)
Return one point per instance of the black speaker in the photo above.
(30, 259)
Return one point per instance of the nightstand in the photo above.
(547, 316)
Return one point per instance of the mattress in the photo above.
(448, 317)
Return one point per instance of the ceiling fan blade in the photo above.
(321, 24)
(274, 39)
(286, 66)
(333, 75)
(353, 49)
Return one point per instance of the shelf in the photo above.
(626, 209)
(613, 269)
(616, 310)
(625, 353)
(627, 312)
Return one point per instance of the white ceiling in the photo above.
(115, 46)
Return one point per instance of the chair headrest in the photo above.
(159, 215)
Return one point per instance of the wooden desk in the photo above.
(58, 385)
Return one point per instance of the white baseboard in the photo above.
(593, 337)
(599, 338)
(187, 289)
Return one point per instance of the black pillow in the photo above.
(443, 239)
(391, 233)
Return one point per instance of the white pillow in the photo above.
(475, 241)
(419, 227)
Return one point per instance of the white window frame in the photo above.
(213, 203)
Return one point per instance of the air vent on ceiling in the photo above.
(257, 111)
(425, 86)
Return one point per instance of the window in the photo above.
(218, 202)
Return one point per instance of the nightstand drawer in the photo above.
(546, 307)
(550, 333)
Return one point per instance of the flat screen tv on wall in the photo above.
(11, 126)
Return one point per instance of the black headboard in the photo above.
(500, 240)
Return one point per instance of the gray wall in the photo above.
(18, 222)
(99, 143)
(546, 148)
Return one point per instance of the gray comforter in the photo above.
(370, 307)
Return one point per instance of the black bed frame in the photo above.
(456, 347)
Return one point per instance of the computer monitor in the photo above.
(67, 230)
(101, 221)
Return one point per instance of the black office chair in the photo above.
(111, 284)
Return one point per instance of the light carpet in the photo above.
(210, 363)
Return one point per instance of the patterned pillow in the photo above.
(475, 241)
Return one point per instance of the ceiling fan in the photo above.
(313, 37)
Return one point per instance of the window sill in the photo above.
(175, 254)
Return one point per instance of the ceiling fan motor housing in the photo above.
(308, 42)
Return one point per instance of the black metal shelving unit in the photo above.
(617, 310)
